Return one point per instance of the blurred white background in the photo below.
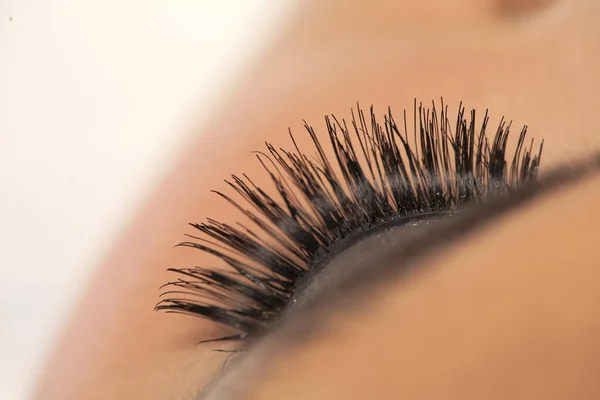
(93, 101)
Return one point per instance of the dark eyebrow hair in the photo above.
(394, 261)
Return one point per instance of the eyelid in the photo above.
(364, 249)
(400, 259)
(305, 321)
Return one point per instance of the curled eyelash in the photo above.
(378, 175)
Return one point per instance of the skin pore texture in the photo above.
(523, 326)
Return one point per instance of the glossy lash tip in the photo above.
(376, 176)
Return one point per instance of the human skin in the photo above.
(534, 62)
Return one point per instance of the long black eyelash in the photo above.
(378, 175)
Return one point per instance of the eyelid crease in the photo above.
(300, 325)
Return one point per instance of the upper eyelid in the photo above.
(398, 260)
(304, 322)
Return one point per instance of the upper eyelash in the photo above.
(382, 175)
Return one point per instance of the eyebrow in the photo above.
(394, 260)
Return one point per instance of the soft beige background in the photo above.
(95, 100)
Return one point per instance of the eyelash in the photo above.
(377, 176)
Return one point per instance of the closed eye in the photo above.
(382, 261)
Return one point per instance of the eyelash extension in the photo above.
(377, 176)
